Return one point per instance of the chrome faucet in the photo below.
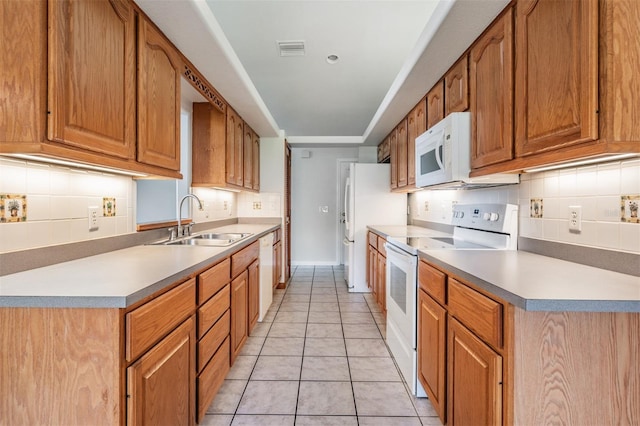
(180, 227)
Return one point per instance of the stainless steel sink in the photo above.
(223, 236)
(208, 239)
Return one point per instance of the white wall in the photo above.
(57, 200)
(313, 186)
(270, 201)
(598, 189)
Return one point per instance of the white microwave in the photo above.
(443, 156)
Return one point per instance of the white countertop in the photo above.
(116, 279)
(531, 281)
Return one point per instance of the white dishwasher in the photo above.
(266, 274)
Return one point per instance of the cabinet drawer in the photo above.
(477, 312)
(211, 341)
(213, 279)
(151, 321)
(381, 249)
(373, 240)
(209, 381)
(432, 281)
(209, 313)
(243, 258)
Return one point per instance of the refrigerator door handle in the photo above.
(347, 188)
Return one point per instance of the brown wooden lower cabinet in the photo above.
(432, 339)
(157, 362)
(254, 294)
(502, 365)
(376, 269)
(160, 385)
(239, 313)
(475, 379)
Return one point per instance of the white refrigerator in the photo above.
(368, 200)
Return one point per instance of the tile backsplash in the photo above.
(58, 199)
(598, 189)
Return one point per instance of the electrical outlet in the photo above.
(575, 218)
(426, 206)
(93, 218)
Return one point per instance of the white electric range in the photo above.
(476, 227)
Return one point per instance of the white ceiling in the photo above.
(390, 54)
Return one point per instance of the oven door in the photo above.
(401, 294)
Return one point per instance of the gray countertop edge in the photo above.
(124, 302)
(543, 305)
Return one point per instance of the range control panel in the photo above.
(502, 218)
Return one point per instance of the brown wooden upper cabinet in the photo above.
(158, 98)
(435, 104)
(225, 150)
(456, 87)
(393, 155)
(576, 85)
(416, 125)
(491, 81)
(557, 74)
(235, 148)
(91, 99)
(402, 153)
(69, 82)
(256, 161)
(251, 159)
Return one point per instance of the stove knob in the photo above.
(486, 216)
(460, 215)
(494, 217)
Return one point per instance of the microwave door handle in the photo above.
(440, 150)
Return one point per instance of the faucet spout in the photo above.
(200, 206)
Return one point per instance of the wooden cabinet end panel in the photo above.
(151, 321)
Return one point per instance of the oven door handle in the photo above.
(397, 251)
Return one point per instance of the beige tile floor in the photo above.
(318, 358)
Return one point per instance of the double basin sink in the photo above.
(208, 239)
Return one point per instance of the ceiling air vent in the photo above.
(291, 48)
